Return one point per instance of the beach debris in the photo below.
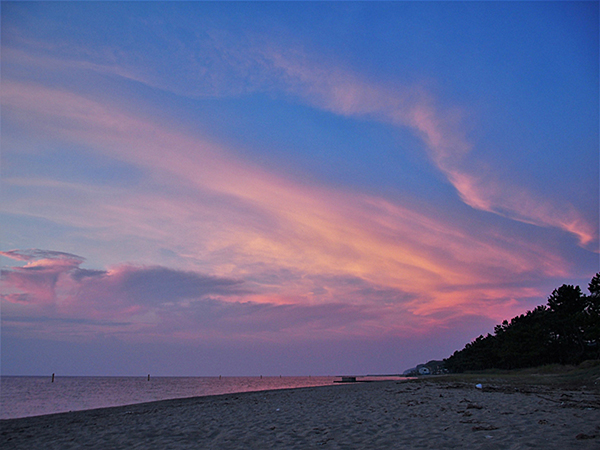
(479, 386)
(582, 436)
(472, 420)
(469, 421)
(484, 428)
(543, 422)
(487, 436)
(474, 406)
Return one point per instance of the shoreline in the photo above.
(33, 396)
(168, 400)
(386, 414)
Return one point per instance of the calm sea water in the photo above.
(33, 396)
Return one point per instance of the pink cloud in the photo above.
(256, 215)
(39, 277)
(48, 255)
(335, 89)
(331, 87)
(260, 64)
(155, 300)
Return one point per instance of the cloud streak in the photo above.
(245, 182)
(343, 92)
(261, 65)
(414, 270)
(259, 216)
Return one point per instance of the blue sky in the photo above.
(393, 178)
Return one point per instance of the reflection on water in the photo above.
(32, 396)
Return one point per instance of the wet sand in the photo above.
(379, 415)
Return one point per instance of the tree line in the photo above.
(565, 331)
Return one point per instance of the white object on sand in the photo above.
(479, 386)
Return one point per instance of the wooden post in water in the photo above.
(53, 378)
(148, 377)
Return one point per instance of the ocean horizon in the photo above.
(26, 396)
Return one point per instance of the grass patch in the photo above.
(584, 376)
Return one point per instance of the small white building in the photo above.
(424, 371)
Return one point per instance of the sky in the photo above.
(289, 188)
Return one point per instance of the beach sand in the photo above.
(378, 415)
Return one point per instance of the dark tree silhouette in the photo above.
(566, 331)
(594, 286)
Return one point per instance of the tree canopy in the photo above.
(565, 331)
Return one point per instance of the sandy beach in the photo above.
(379, 415)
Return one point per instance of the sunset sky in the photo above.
(289, 188)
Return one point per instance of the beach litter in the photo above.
(479, 386)
(484, 428)
(582, 436)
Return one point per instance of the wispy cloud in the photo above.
(443, 130)
(382, 266)
(256, 215)
(248, 187)
(262, 65)
(37, 254)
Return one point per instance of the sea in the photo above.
(23, 396)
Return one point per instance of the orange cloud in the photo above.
(240, 220)
(330, 87)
